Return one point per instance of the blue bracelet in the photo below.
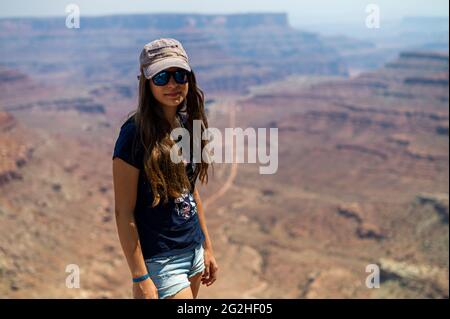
(142, 278)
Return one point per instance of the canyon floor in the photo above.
(362, 179)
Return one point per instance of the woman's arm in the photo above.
(210, 274)
(125, 178)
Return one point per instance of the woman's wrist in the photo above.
(207, 246)
(141, 278)
(209, 250)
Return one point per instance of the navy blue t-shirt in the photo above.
(164, 229)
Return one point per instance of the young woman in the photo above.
(159, 215)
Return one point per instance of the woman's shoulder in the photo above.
(129, 130)
(129, 124)
(127, 146)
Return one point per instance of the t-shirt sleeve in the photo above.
(124, 149)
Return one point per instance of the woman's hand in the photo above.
(210, 273)
(145, 289)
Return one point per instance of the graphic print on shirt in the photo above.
(185, 205)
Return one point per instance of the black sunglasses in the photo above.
(163, 77)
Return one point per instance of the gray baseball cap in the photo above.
(161, 54)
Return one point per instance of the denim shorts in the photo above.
(170, 274)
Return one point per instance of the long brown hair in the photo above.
(167, 179)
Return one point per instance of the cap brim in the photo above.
(153, 69)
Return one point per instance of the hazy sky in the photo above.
(300, 12)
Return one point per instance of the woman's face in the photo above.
(172, 94)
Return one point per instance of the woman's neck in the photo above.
(170, 114)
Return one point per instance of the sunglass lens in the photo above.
(180, 76)
(162, 78)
